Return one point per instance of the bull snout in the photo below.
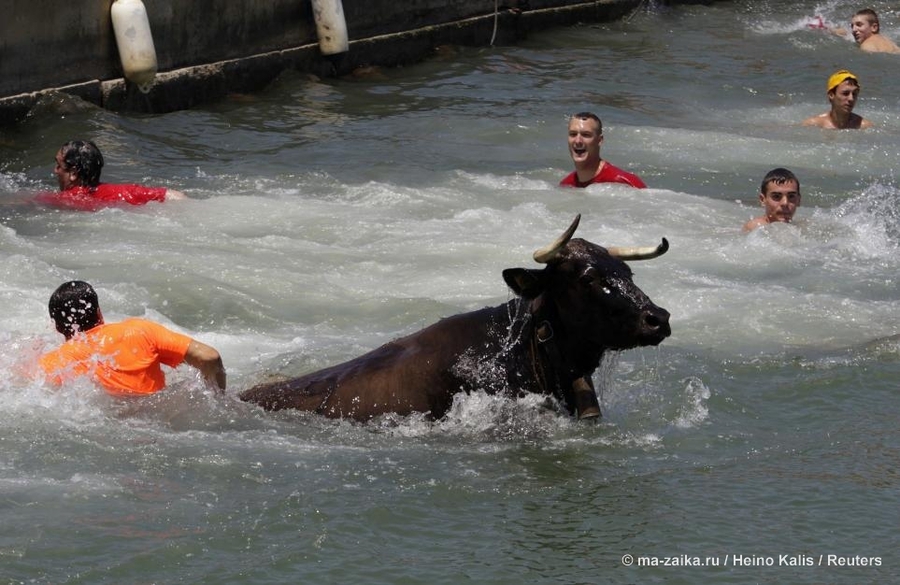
(654, 325)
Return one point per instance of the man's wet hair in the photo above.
(870, 14)
(74, 307)
(779, 176)
(85, 158)
(590, 116)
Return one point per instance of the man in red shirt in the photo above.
(585, 139)
(122, 357)
(78, 166)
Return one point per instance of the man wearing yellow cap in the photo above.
(842, 91)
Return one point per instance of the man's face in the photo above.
(584, 140)
(862, 29)
(843, 97)
(780, 200)
(67, 178)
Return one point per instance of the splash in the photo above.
(501, 418)
(873, 217)
(693, 410)
(488, 370)
(823, 17)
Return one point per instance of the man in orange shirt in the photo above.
(123, 357)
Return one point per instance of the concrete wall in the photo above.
(207, 48)
(51, 43)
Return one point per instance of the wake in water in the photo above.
(822, 17)
(874, 217)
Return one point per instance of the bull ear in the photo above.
(528, 284)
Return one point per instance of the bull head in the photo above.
(589, 292)
(583, 303)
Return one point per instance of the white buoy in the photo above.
(132, 29)
(331, 27)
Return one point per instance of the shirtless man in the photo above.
(865, 29)
(585, 139)
(779, 195)
(842, 91)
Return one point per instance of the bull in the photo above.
(548, 340)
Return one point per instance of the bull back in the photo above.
(417, 373)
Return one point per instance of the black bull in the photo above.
(548, 340)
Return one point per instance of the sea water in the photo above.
(758, 444)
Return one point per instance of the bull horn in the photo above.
(546, 254)
(639, 253)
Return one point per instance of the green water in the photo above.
(758, 444)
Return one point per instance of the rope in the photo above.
(635, 11)
(496, 17)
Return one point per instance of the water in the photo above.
(328, 217)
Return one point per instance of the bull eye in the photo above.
(588, 277)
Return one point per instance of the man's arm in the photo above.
(208, 361)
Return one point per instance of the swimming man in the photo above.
(77, 169)
(123, 357)
(585, 139)
(842, 91)
(866, 31)
(779, 195)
